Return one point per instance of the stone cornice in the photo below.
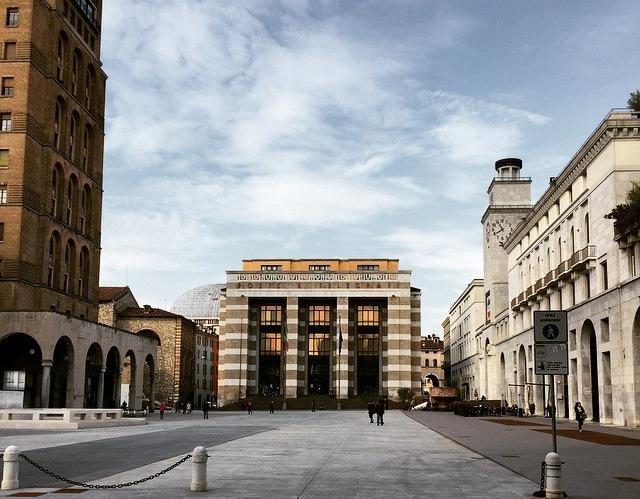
(618, 125)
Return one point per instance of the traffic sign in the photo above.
(550, 326)
(551, 358)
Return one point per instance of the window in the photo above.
(7, 85)
(4, 158)
(87, 89)
(605, 276)
(368, 268)
(74, 74)
(85, 148)
(632, 262)
(604, 329)
(367, 344)
(3, 194)
(5, 122)
(13, 380)
(72, 134)
(435, 362)
(270, 315)
(368, 315)
(10, 50)
(270, 343)
(56, 125)
(319, 344)
(319, 315)
(271, 268)
(1, 232)
(60, 58)
(12, 16)
(319, 268)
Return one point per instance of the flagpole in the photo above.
(339, 352)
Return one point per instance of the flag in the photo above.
(339, 337)
(284, 338)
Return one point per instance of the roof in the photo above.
(202, 302)
(148, 311)
(113, 293)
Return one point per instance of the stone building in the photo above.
(432, 362)
(52, 351)
(466, 316)
(563, 254)
(300, 327)
(175, 334)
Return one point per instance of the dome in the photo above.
(202, 302)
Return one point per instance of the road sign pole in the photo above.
(553, 413)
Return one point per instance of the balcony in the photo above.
(581, 258)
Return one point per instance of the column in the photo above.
(118, 388)
(152, 391)
(291, 355)
(100, 398)
(342, 359)
(46, 383)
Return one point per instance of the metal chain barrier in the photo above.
(97, 486)
(543, 468)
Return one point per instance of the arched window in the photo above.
(587, 235)
(435, 362)
(72, 136)
(548, 259)
(53, 270)
(60, 57)
(86, 145)
(572, 242)
(83, 283)
(559, 250)
(85, 210)
(72, 200)
(57, 191)
(75, 66)
(88, 88)
(57, 125)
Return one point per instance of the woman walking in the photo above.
(581, 415)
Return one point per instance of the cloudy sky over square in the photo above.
(332, 129)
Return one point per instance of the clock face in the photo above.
(499, 229)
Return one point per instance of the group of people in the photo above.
(378, 410)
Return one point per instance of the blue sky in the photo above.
(339, 129)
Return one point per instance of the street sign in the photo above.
(551, 358)
(550, 326)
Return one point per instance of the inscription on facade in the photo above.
(312, 276)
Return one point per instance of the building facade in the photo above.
(466, 316)
(563, 254)
(301, 327)
(431, 362)
(53, 353)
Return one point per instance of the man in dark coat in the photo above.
(271, 407)
(205, 410)
(380, 412)
(371, 408)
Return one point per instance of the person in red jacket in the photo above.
(162, 408)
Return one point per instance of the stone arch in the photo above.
(521, 378)
(93, 377)
(128, 380)
(111, 393)
(62, 369)
(21, 369)
(149, 382)
(433, 380)
(149, 333)
(589, 370)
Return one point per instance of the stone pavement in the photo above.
(602, 461)
(325, 454)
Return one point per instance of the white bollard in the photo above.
(10, 469)
(199, 470)
(553, 468)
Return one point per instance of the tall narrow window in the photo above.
(86, 139)
(12, 16)
(5, 122)
(3, 194)
(87, 89)
(81, 264)
(84, 290)
(4, 158)
(84, 210)
(51, 262)
(65, 276)
(605, 276)
(10, 50)
(54, 192)
(72, 134)
(7, 85)
(69, 202)
(60, 59)
(1, 232)
(56, 125)
(587, 235)
(74, 74)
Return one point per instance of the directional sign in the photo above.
(550, 326)
(551, 358)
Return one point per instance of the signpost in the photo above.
(551, 354)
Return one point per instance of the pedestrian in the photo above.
(313, 406)
(249, 407)
(380, 412)
(503, 405)
(123, 406)
(178, 407)
(581, 415)
(205, 410)
(371, 409)
(184, 407)
(272, 407)
(188, 407)
(162, 408)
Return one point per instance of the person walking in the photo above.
(205, 410)
(313, 406)
(380, 412)
(371, 408)
(249, 407)
(162, 408)
(581, 414)
(272, 407)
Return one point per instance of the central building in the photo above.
(305, 327)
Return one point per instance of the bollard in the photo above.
(553, 466)
(199, 470)
(11, 467)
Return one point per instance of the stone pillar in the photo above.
(152, 391)
(291, 355)
(100, 400)
(46, 383)
(342, 376)
(118, 387)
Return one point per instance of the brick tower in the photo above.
(51, 148)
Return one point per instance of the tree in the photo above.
(405, 394)
(627, 214)
(634, 101)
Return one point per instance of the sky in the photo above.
(339, 129)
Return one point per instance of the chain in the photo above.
(97, 486)
(543, 469)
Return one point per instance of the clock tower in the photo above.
(509, 203)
